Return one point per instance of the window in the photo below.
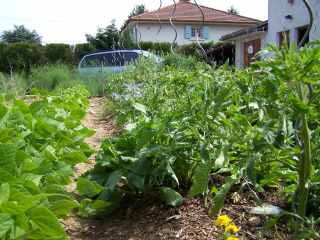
(118, 59)
(301, 32)
(110, 59)
(197, 32)
(130, 57)
(284, 39)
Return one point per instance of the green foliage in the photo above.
(105, 38)
(20, 56)
(138, 9)
(82, 49)
(39, 145)
(15, 85)
(49, 77)
(58, 53)
(159, 48)
(171, 197)
(20, 34)
(186, 122)
(52, 76)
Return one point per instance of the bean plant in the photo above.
(184, 127)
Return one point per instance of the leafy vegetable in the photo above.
(39, 144)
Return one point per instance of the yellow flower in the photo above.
(232, 228)
(232, 238)
(223, 221)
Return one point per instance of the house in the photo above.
(188, 22)
(287, 23)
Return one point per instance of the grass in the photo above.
(50, 77)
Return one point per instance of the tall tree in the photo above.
(20, 34)
(233, 10)
(105, 38)
(138, 9)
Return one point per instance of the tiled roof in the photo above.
(189, 12)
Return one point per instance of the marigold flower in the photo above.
(223, 221)
(232, 238)
(232, 228)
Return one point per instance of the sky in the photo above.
(68, 21)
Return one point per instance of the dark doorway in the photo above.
(221, 53)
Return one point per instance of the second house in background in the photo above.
(287, 23)
(188, 20)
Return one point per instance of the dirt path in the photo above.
(103, 128)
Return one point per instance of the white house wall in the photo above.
(278, 9)
(148, 32)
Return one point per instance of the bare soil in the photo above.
(149, 219)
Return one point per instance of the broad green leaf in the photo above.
(141, 108)
(171, 197)
(63, 207)
(6, 223)
(136, 180)
(4, 193)
(200, 180)
(88, 188)
(113, 179)
(7, 157)
(130, 126)
(219, 163)
(5, 176)
(47, 222)
(73, 157)
(220, 196)
(90, 208)
(3, 110)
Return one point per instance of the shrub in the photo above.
(20, 56)
(58, 53)
(81, 49)
(159, 48)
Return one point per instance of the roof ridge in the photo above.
(226, 12)
(138, 17)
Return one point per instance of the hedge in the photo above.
(58, 53)
(159, 48)
(19, 57)
(81, 49)
(22, 56)
(215, 53)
